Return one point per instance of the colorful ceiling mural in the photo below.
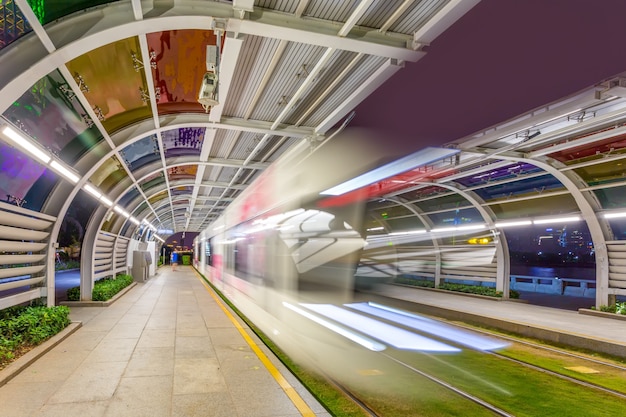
(184, 141)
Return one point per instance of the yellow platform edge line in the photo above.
(293, 395)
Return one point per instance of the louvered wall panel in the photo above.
(617, 264)
(103, 255)
(121, 255)
(23, 263)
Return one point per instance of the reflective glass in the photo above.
(498, 174)
(127, 198)
(456, 218)
(50, 10)
(51, 114)
(544, 206)
(185, 141)
(141, 152)
(612, 198)
(605, 173)
(527, 186)
(13, 24)
(18, 173)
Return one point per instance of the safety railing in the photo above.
(554, 285)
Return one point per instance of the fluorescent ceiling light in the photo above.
(134, 220)
(614, 215)
(373, 229)
(514, 223)
(106, 201)
(26, 144)
(121, 211)
(408, 232)
(557, 220)
(66, 173)
(91, 190)
(415, 160)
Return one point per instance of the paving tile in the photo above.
(23, 399)
(93, 381)
(150, 362)
(194, 346)
(82, 409)
(197, 375)
(210, 404)
(113, 350)
(142, 397)
(157, 338)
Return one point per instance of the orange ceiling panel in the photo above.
(180, 57)
(113, 81)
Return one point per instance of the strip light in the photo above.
(25, 144)
(514, 223)
(66, 173)
(557, 220)
(614, 215)
(91, 190)
(415, 160)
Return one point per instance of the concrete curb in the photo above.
(604, 314)
(99, 303)
(24, 361)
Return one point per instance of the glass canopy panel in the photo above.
(185, 141)
(115, 88)
(604, 173)
(50, 113)
(456, 218)
(179, 59)
(612, 198)
(108, 169)
(141, 152)
(529, 186)
(152, 181)
(544, 206)
(592, 150)
(182, 172)
(498, 174)
(185, 191)
(392, 212)
(157, 197)
(13, 24)
(404, 224)
(445, 202)
(618, 226)
(50, 10)
(422, 193)
(18, 174)
(128, 198)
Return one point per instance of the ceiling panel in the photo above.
(184, 141)
(141, 152)
(13, 24)
(179, 65)
(115, 88)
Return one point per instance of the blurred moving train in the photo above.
(300, 239)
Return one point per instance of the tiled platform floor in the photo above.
(164, 349)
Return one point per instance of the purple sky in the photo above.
(501, 59)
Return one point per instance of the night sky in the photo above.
(501, 59)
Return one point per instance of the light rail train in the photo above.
(292, 250)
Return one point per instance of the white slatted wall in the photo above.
(24, 236)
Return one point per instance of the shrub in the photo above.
(21, 327)
(103, 289)
(617, 308)
(464, 288)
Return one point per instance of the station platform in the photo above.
(557, 325)
(169, 347)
